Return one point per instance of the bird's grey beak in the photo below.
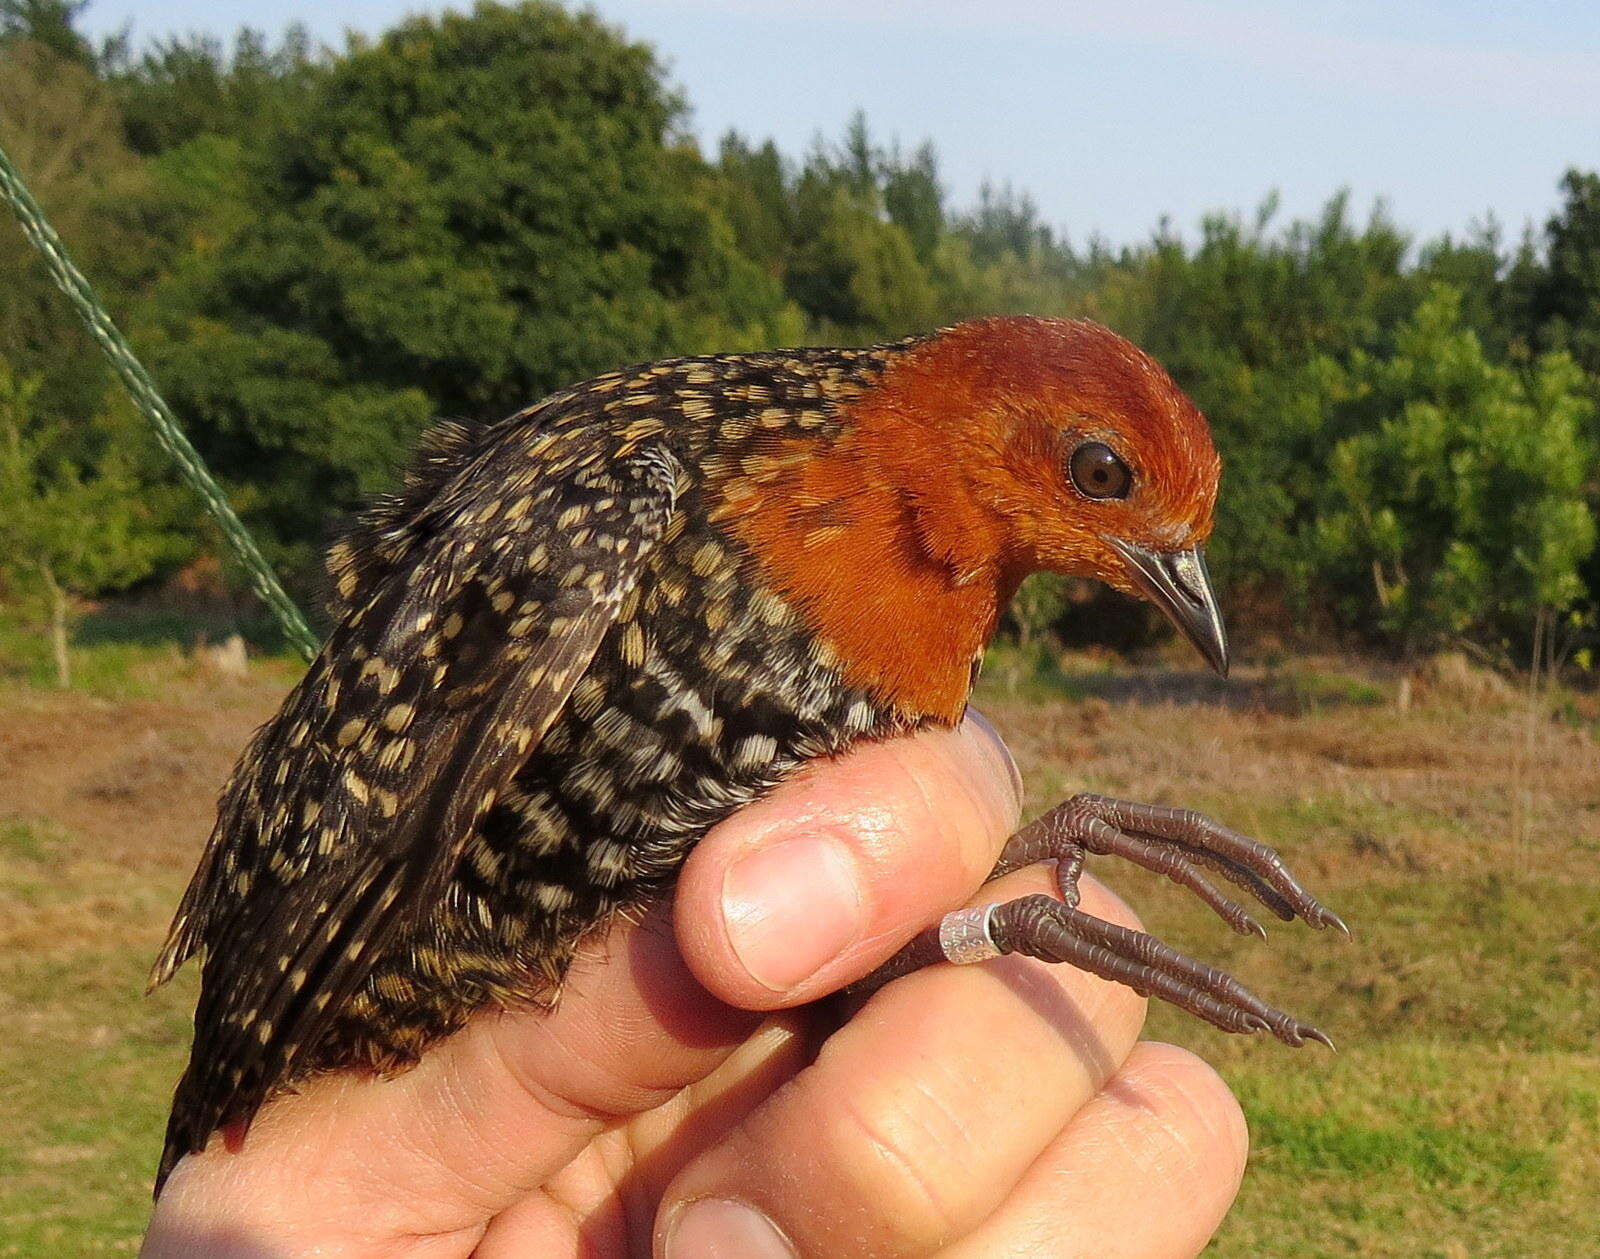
(1177, 582)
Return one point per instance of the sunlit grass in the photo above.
(1460, 1117)
(120, 656)
(87, 1061)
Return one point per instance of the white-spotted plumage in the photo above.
(553, 671)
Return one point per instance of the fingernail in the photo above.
(997, 745)
(716, 1228)
(791, 908)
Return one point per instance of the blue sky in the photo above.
(1112, 114)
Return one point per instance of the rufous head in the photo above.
(1078, 452)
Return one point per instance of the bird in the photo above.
(575, 639)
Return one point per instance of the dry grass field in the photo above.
(1459, 837)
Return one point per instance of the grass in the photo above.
(1461, 1117)
(83, 1073)
(119, 654)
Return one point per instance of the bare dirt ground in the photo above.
(142, 775)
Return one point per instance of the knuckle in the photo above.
(1099, 831)
(1200, 1121)
(906, 1158)
(928, 793)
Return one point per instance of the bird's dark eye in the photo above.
(1098, 473)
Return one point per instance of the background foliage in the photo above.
(318, 251)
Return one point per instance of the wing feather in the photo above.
(346, 817)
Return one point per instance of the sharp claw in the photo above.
(1237, 855)
(1331, 919)
(1042, 927)
(1252, 926)
(1297, 1033)
(1312, 1033)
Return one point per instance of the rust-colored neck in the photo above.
(903, 532)
(878, 541)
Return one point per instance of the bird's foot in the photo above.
(1177, 843)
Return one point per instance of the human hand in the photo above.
(675, 1104)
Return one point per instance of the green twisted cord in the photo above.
(81, 294)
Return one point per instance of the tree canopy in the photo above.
(320, 251)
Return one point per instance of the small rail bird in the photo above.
(578, 638)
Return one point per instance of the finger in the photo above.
(803, 892)
(499, 1107)
(485, 1116)
(603, 1200)
(920, 1114)
(1164, 1130)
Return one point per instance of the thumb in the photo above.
(813, 887)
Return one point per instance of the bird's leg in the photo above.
(1175, 843)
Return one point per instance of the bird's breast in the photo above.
(708, 690)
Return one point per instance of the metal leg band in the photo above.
(964, 936)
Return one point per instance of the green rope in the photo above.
(143, 391)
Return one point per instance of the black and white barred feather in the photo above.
(552, 671)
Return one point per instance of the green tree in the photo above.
(861, 240)
(185, 87)
(1001, 258)
(1457, 509)
(1036, 607)
(754, 194)
(913, 198)
(52, 24)
(854, 269)
(1563, 297)
(1473, 265)
(62, 130)
(857, 275)
(466, 213)
(68, 530)
(1558, 298)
